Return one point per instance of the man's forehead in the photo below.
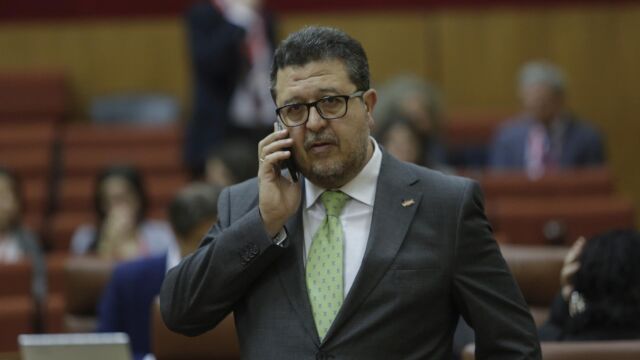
(317, 76)
(331, 67)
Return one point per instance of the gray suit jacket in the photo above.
(424, 265)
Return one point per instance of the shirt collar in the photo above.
(361, 188)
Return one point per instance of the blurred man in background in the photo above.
(545, 136)
(231, 44)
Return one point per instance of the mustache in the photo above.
(314, 138)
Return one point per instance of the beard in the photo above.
(335, 171)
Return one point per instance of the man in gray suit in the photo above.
(365, 257)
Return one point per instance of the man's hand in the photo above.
(279, 195)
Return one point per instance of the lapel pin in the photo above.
(408, 202)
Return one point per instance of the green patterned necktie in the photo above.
(325, 280)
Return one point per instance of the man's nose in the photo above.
(316, 122)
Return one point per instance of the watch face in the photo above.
(280, 238)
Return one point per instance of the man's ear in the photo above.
(370, 99)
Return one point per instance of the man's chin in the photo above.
(327, 173)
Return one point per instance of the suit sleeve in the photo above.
(595, 153)
(484, 289)
(499, 150)
(203, 289)
(215, 43)
(110, 309)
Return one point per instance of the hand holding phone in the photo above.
(289, 163)
(279, 196)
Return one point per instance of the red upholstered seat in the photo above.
(221, 343)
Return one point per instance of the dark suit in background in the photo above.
(126, 302)
(580, 144)
(218, 59)
(426, 262)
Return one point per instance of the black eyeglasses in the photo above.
(329, 108)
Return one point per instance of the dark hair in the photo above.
(192, 205)
(133, 177)
(315, 43)
(16, 187)
(609, 280)
(239, 156)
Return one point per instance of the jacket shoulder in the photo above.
(441, 188)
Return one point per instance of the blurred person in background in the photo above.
(400, 137)
(231, 162)
(231, 44)
(17, 243)
(546, 135)
(600, 295)
(411, 98)
(127, 300)
(122, 231)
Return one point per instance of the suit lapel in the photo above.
(292, 273)
(394, 209)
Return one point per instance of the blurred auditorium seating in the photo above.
(592, 350)
(34, 97)
(28, 151)
(554, 209)
(575, 182)
(559, 220)
(537, 272)
(87, 149)
(53, 308)
(468, 135)
(84, 278)
(15, 278)
(19, 313)
(16, 317)
(62, 226)
(17, 307)
(221, 343)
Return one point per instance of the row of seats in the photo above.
(34, 97)
(556, 208)
(592, 350)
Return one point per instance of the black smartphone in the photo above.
(289, 163)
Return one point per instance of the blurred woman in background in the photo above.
(401, 138)
(411, 98)
(122, 231)
(17, 243)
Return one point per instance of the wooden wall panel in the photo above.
(102, 57)
(394, 43)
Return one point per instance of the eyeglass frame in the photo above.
(314, 104)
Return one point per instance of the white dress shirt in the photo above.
(355, 217)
